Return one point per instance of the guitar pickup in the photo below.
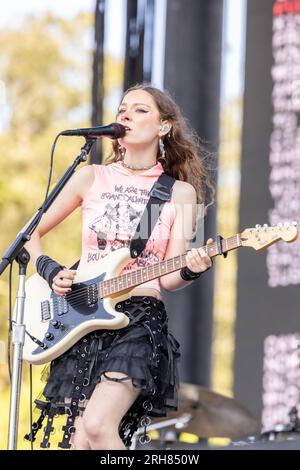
(92, 295)
(61, 306)
(45, 311)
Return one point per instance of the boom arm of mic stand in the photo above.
(18, 252)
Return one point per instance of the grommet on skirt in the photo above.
(144, 351)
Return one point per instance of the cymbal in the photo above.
(209, 414)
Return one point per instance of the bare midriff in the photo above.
(146, 292)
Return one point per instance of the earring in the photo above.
(122, 151)
(162, 149)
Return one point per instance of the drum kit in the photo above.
(202, 414)
(207, 420)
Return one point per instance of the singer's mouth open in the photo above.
(127, 128)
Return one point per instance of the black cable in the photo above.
(40, 216)
(30, 404)
(49, 182)
(11, 265)
(9, 320)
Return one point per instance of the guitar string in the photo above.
(73, 297)
(84, 290)
(113, 284)
(81, 293)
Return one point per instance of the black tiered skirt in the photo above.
(144, 351)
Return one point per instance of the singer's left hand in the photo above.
(197, 260)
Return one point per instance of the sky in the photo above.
(11, 10)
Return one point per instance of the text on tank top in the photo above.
(111, 211)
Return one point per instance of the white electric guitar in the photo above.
(55, 323)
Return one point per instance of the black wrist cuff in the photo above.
(188, 275)
(47, 268)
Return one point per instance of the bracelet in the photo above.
(47, 268)
(188, 275)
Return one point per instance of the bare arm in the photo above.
(185, 200)
(66, 202)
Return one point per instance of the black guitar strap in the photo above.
(160, 193)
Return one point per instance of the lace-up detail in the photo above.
(144, 351)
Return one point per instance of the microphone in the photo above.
(114, 131)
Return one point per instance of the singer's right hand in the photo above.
(63, 281)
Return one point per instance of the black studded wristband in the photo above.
(47, 268)
(188, 275)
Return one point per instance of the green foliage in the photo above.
(46, 69)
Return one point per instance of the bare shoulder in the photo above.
(85, 173)
(184, 192)
(84, 178)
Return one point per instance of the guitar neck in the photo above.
(148, 273)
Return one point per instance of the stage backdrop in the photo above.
(192, 75)
(268, 316)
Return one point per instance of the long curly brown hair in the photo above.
(185, 156)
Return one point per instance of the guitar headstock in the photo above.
(263, 236)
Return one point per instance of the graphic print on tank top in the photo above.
(110, 227)
(111, 212)
(121, 217)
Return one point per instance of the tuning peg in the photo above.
(258, 226)
(265, 226)
(287, 224)
(294, 223)
(279, 225)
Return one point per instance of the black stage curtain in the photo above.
(192, 75)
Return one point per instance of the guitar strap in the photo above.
(159, 194)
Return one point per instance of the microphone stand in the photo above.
(17, 252)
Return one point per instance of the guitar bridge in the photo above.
(45, 311)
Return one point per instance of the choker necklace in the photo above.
(131, 167)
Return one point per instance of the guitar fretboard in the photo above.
(139, 276)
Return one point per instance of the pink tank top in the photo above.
(111, 211)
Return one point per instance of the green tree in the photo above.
(46, 67)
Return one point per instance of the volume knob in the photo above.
(49, 336)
